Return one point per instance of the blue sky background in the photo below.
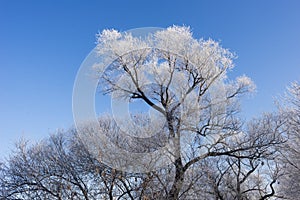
(42, 44)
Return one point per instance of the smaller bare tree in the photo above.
(290, 110)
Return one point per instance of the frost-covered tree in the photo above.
(290, 110)
(60, 167)
(184, 79)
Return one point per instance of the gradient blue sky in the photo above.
(42, 44)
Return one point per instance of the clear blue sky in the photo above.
(42, 44)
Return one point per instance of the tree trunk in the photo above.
(178, 181)
(179, 173)
(173, 194)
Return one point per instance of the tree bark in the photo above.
(179, 173)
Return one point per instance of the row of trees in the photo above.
(214, 154)
(261, 164)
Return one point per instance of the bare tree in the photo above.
(57, 168)
(184, 80)
(290, 110)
